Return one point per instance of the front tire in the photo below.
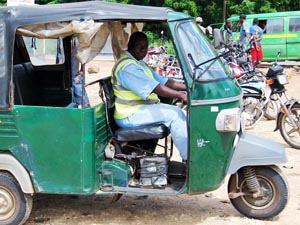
(272, 186)
(252, 112)
(271, 110)
(290, 134)
(15, 206)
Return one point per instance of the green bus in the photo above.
(281, 32)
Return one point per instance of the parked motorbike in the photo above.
(258, 102)
(258, 95)
(164, 64)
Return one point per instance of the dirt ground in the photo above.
(207, 209)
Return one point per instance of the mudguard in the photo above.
(253, 150)
(10, 164)
(289, 104)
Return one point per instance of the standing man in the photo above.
(227, 32)
(256, 49)
(137, 87)
(244, 30)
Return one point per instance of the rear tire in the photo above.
(274, 187)
(15, 206)
(289, 134)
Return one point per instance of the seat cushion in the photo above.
(142, 133)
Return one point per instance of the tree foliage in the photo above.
(211, 11)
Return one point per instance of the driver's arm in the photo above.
(165, 91)
(176, 85)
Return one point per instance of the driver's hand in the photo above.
(183, 97)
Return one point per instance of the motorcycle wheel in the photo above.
(290, 134)
(273, 186)
(271, 110)
(251, 115)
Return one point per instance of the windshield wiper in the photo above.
(213, 60)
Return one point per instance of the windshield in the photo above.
(197, 50)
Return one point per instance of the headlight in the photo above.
(282, 79)
(229, 120)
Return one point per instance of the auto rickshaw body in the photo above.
(48, 146)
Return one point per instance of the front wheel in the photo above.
(15, 206)
(252, 111)
(272, 110)
(290, 133)
(272, 188)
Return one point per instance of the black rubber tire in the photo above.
(270, 205)
(283, 120)
(15, 206)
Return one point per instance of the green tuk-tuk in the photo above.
(49, 146)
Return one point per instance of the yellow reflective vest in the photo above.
(126, 101)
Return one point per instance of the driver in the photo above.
(137, 87)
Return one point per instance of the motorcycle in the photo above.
(257, 96)
(259, 99)
(164, 64)
(258, 102)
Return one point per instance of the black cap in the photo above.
(242, 16)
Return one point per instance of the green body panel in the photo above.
(58, 145)
(210, 150)
(286, 41)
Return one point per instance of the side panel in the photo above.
(210, 150)
(57, 146)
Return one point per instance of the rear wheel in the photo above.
(271, 200)
(289, 133)
(15, 206)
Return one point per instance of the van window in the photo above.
(45, 51)
(273, 26)
(294, 24)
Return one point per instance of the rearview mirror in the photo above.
(218, 38)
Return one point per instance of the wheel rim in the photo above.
(7, 204)
(267, 197)
(290, 133)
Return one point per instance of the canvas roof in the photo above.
(95, 10)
